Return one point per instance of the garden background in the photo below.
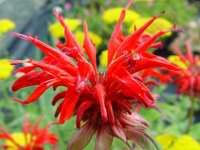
(35, 17)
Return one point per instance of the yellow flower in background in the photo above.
(172, 142)
(5, 68)
(96, 39)
(166, 140)
(111, 15)
(57, 31)
(186, 142)
(20, 138)
(158, 25)
(103, 58)
(174, 59)
(6, 25)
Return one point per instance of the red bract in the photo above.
(34, 137)
(156, 76)
(103, 103)
(188, 81)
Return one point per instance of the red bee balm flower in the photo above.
(32, 137)
(103, 103)
(188, 80)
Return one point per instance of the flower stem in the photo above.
(190, 114)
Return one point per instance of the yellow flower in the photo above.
(96, 39)
(111, 15)
(186, 142)
(5, 68)
(166, 140)
(20, 138)
(6, 25)
(177, 61)
(103, 58)
(158, 25)
(172, 142)
(57, 31)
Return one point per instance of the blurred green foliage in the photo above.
(172, 114)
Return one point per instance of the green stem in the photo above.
(190, 114)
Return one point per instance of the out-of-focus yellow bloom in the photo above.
(159, 24)
(103, 58)
(166, 140)
(96, 39)
(5, 68)
(6, 25)
(57, 31)
(172, 142)
(198, 63)
(20, 138)
(177, 61)
(186, 142)
(112, 15)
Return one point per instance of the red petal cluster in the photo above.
(103, 103)
(188, 80)
(38, 137)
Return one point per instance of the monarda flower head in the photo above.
(32, 137)
(188, 80)
(104, 103)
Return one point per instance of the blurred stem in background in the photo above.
(190, 114)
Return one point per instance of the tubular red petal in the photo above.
(162, 77)
(56, 54)
(85, 70)
(25, 69)
(116, 64)
(42, 136)
(84, 106)
(69, 38)
(111, 116)
(147, 44)
(157, 45)
(37, 92)
(154, 61)
(116, 37)
(70, 100)
(55, 71)
(134, 88)
(125, 105)
(183, 85)
(100, 93)
(58, 97)
(30, 79)
(89, 47)
(131, 41)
